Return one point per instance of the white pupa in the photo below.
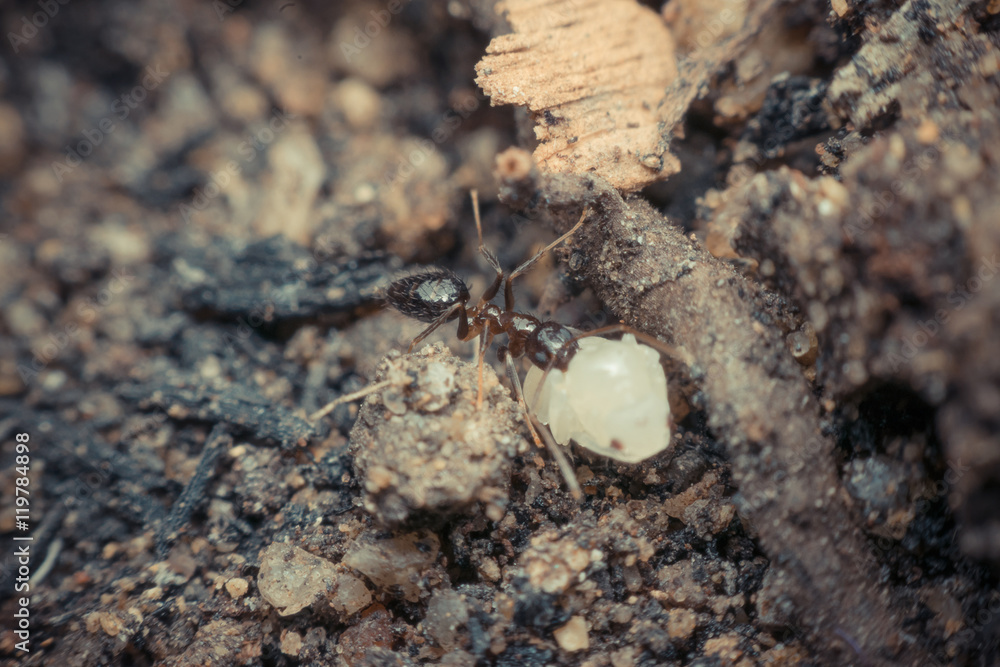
(612, 399)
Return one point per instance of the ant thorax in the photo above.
(611, 399)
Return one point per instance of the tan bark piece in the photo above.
(593, 75)
(603, 83)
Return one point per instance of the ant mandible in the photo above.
(439, 296)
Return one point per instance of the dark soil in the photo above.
(202, 204)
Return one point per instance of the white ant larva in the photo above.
(611, 399)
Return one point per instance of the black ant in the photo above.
(439, 296)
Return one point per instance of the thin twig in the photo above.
(347, 398)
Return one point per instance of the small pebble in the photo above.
(237, 587)
(291, 578)
(681, 623)
(291, 643)
(573, 636)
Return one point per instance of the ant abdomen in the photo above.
(427, 296)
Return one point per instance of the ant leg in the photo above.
(463, 324)
(564, 465)
(508, 290)
(484, 343)
(516, 383)
(492, 290)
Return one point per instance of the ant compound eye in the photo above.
(612, 399)
(426, 296)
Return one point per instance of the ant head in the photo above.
(551, 345)
(427, 296)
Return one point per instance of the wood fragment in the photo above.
(233, 404)
(607, 96)
(194, 492)
(592, 84)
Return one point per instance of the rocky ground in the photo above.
(201, 204)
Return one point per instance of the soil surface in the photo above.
(201, 208)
